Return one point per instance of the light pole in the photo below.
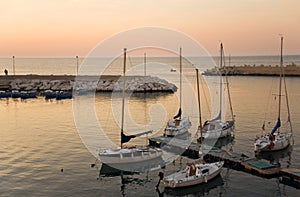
(77, 63)
(14, 71)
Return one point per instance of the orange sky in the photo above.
(74, 27)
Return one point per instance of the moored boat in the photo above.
(178, 126)
(277, 139)
(129, 158)
(63, 95)
(217, 127)
(28, 94)
(193, 174)
(4, 94)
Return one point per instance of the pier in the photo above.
(233, 160)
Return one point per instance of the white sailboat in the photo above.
(194, 174)
(129, 159)
(178, 126)
(276, 140)
(216, 128)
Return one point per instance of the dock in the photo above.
(233, 160)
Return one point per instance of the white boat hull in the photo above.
(129, 159)
(178, 127)
(220, 130)
(264, 144)
(205, 173)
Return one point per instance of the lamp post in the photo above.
(77, 63)
(14, 71)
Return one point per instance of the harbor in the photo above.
(56, 123)
(149, 99)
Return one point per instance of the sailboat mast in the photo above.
(280, 79)
(227, 85)
(123, 93)
(180, 64)
(221, 85)
(199, 106)
(145, 64)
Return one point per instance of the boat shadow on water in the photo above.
(276, 156)
(127, 177)
(110, 171)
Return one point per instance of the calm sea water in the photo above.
(38, 138)
(62, 66)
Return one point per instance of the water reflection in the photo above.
(276, 157)
(225, 141)
(127, 178)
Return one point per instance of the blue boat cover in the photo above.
(178, 114)
(278, 124)
(126, 138)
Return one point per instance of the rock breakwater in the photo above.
(85, 83)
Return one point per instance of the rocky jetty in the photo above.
(262, 70)
(85, 83)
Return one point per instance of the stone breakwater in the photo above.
(247, 70)
(85, 83)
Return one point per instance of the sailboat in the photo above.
(216, 128)
(129, 159)
(276, 140)
(194, 173)
(178, 126)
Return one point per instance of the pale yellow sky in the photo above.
(74, 27)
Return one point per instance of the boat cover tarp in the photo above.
(126, 138)
(278, 124)
(178, 114)
(260, 164)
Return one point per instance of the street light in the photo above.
(14, 71)
(77, 63)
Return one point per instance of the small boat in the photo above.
(64, 95)
(178, 126)
(49, 94)
(193, 174)
(128, 158)
(4, 94)
(217, 128)
(15, 94)
(28, 94)
(276, 139)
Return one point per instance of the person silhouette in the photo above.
(6, 72)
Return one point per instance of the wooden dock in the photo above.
(290, 176)
(232, 160)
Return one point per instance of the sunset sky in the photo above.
(64, 28)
